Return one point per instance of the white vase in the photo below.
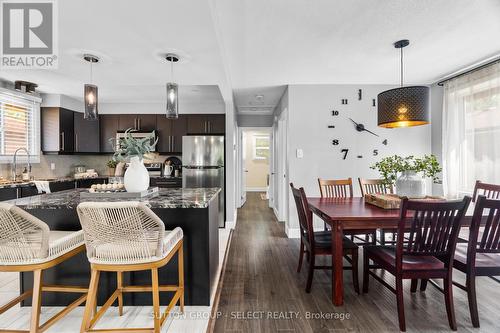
(410, 184)
(136, 177)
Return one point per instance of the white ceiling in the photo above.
(131, 38)
(280, 42)
(256, 47)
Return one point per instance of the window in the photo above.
(260, 147)
(19, 125)
(471, 130)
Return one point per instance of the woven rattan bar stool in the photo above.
(125, 237)
(28, 245)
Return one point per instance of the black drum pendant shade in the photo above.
(403, 106)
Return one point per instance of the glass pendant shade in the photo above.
(90, 98)
(404, 107)
(172, 101)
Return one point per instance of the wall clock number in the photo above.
(360, 94)
(344, 101)
(344, 151)
(373, 102)
(375, 152)
(335, 113)
(384, 142)
(335, 142)
(331, 126)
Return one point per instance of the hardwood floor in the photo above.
(262, 292)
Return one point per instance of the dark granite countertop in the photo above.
(167, 198)
(50, 180)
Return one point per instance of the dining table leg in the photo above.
(337, 264)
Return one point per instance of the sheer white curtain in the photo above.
(471, 130)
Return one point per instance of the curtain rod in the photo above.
(489, 63)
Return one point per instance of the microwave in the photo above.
(120, 135)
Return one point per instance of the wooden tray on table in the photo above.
(393, 201)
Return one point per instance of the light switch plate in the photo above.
(52, 166)
(300, 153)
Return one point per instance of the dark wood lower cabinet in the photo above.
(8, 193)
(61, 186)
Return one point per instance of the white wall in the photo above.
(437, 130)
(309, 114)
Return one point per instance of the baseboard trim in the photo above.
(292, 232)
(256, 189)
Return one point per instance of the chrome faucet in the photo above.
(14, 164)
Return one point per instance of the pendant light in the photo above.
(172, 90)
(90, 96)
(403, 106)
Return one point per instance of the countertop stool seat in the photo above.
(28, 245)
(127, 237)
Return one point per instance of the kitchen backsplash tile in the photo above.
(65, 165)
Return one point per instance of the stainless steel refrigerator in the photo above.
(203, 165)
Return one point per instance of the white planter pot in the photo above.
(136, 177)
(410, 184)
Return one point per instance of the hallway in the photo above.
(262, 292)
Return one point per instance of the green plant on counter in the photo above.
(133, 147)
(389, 167)
(112, 164)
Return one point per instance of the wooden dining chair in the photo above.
(428, 253)
(370, 186)
(490, 191)
(28, 245)
(342, 188)
(319, 243)
(481, 255)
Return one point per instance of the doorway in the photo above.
(255, 157)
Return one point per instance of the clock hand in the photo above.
(354, 122)
(370, 132)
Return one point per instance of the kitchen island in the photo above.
(194, 210)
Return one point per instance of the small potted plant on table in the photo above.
(408, 173)
(111, 164)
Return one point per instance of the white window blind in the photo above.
(19, 125)
(471, 130)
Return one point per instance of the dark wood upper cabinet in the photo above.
(206, 124)
(109, 125)
(196, 124)
(146, 122)
(126, 121)
(217, 124)
(58, 130)
(170, 133)
(142, 122)
(86, 134)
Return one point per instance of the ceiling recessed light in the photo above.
(259, 97)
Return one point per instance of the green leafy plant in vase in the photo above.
(134, 150)
(408, 173)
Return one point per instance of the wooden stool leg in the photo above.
(36, 301)
(355, 278)
(400, 303)
(156, 300)
(414, 283)
(448, 297)
(91, 301)
(301, 256)
(471, 296)
(181, 277)
(119, 280)
(310, 273)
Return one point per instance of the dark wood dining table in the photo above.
(351, 214)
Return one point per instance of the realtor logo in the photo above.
(29, 38)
